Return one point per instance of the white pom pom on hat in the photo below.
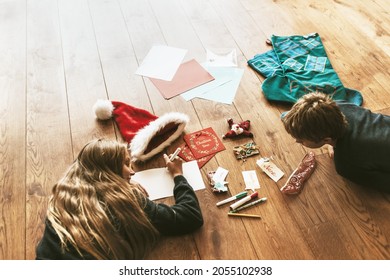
(146, 133)
(103, 109)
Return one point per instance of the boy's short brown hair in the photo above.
(314, 117)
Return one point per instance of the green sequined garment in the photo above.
(298, 65)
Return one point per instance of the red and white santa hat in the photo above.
(146, 133)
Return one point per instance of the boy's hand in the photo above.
(330, 151)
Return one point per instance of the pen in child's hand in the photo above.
(173, 156)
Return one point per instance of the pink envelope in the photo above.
(189, 75)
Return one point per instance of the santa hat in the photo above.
(146, 133)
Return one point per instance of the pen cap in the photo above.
(241, 195)
(255, 194)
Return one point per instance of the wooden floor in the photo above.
(58, 57)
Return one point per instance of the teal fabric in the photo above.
(298, 65)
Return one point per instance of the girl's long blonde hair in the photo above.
(97, 211)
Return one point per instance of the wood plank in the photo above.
(49, 148)
(117, 55)
(334, 244)
(85, 82)
(12, 128)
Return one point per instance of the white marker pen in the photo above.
(175, 154)
(242, 201)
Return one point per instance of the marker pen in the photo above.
(175, 154)
(261, 200)
(242, 201)
(234, 197)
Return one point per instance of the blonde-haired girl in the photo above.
(97, 212)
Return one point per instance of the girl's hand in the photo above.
(175, 167)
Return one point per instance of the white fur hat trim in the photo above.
(140, 142)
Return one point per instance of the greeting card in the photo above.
(187, 155)
(204, 142)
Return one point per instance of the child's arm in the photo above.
(185, 215)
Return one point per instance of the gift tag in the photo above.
(250, 179)
(217, 180)
(270, 169)
(220, 175)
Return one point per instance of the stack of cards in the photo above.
(201, 145)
